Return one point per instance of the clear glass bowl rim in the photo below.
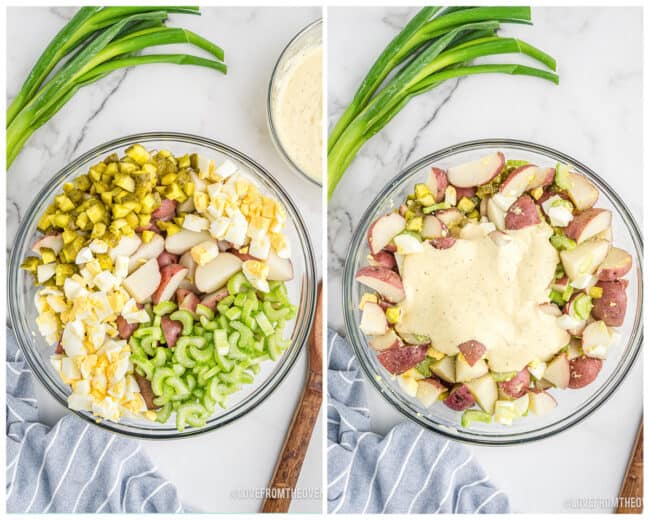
(301, 329)
(269, 112)
(355, 337)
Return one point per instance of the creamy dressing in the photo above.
(299, 111)
(486, 292)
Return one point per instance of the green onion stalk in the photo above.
(94, 43)
(438, 44)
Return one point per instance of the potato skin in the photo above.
(522, 213)
(472, 351)
(614, 271)
(517, 386)
(575, 227)
(385, 259)
(124, 328)
(465, 192)
(441, 182)
(399, 360)
(583, 371)
(611, 306)
(443, 242)
(145, 390)
(460, 398)
(165, 212)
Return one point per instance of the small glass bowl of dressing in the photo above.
(295, 103)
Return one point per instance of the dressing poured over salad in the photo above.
(162, 284)
(495, 283)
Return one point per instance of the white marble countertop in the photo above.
(230, 109)
(594, 115)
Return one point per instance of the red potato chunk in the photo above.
(433, 227)
(171, 277)
(171, 330)
(450, 217)
(59, 348)
(478, 172)
(53, 241)
(386, 282)
(382, 231)
(166, 258)
(373, 320)
(210, 301)
(581, 190)
(383, 259)
(517, 386)
(472, 351)
(460, 398)
(588, 224)
(437, 183)
(145, 390)
(583, 371)
(399, 360)
(543, 177)
(186, 300)
(611, 306)
(124, 328)
(617, 264)
(165, 212)
(517, 182)
(522, 213)
(388, 341)
(464, 192)
(443, 242)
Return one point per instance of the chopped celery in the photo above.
(582, 306)
(164, 308)
(203, 311)
(470, 416)
(217, 353)
(186, 318)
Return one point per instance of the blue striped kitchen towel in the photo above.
(73, 466)
(410, 470)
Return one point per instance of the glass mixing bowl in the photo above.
(302, 289)
(309, 36)
(573, 405)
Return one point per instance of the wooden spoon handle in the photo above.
(287, 469)
(630, 498)
(295, 446)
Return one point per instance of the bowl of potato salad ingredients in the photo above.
(493, 291)
(161, 285)
(295, 103)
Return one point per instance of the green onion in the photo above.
(438, 44)
(99, 41)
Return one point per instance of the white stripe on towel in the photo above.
(426, 481)
(144, 503)
(347, 480)
(67, 468)
(497, 492)
(401, 471)
(94, 474)
(451, 482)
(13, 477)
(374, 474)
(460, 491)
(117, 479)
(40, 470)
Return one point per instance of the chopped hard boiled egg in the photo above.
(205, 252)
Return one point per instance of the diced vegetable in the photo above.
(217, 352)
